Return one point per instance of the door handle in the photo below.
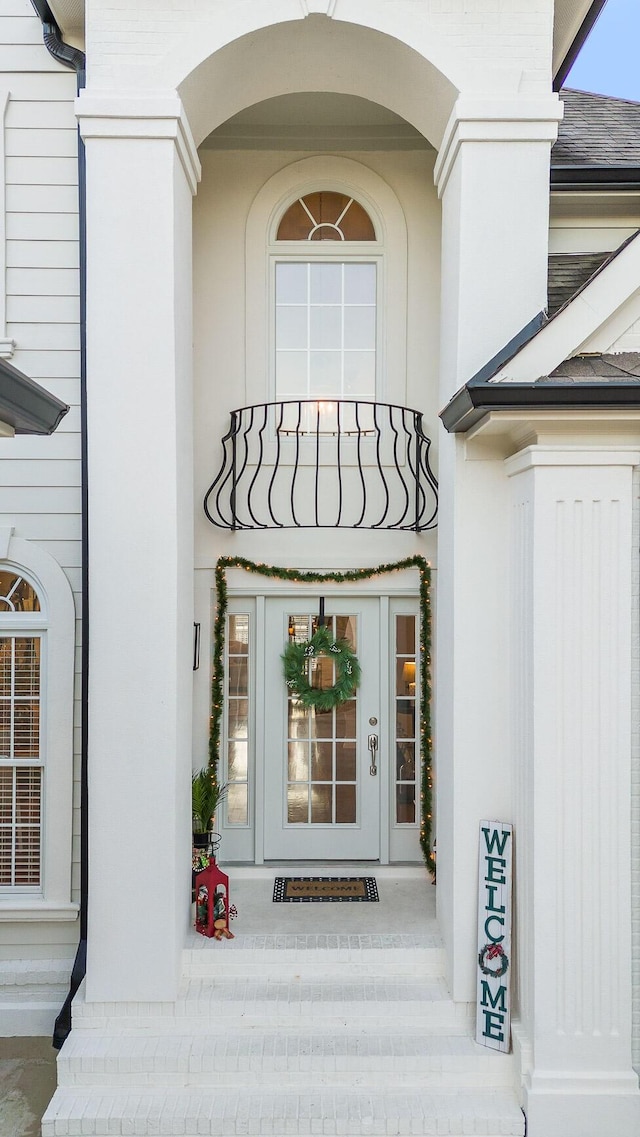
(372, 743)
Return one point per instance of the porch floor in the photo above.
(407, 902)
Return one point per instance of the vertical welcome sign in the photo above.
(493, 1015)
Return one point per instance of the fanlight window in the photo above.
(326, 216)
(20, 753)
(16, 594)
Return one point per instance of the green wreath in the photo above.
(297, 655)
(493, 951)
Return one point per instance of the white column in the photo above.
(471, 743)
(571, 651)
(142, 170)
(492, 175)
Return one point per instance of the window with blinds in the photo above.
(20, 755)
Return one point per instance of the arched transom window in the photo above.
(326, 302)
(326, 217)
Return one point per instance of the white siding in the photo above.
(635, 781)
(40, 477)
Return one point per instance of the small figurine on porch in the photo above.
(213, 911)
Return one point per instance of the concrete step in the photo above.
(266, 1003)
(307, 956)
(274, 1113)
(289, 1058)
(32, 992)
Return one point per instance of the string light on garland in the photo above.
(350, 576)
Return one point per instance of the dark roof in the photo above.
(25, 405)
(625, 365)
(568, 273)
(597, 130)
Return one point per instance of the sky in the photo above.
(609, 62)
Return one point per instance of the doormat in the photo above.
(336, 889)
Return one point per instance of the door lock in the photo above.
(372, 743)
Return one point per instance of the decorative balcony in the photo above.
(324, 465)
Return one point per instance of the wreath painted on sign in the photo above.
(493, 951)
(297, 656)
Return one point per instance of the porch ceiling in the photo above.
(316, 118)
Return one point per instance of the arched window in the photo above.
(326, 299)
(37, 633)
(20, 753)
(326, 285)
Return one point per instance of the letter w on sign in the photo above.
(493, 988)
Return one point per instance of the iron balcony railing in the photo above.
(323, 464)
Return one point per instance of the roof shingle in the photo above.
(597, 130)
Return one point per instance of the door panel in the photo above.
(321, 801)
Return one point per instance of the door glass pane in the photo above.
(406, 635)
(237, 739)
(321, 805)
(322, 761)
(346, 720)
(321, 745)
(298, 762)
(346, 805)
(405, 720)
(238, 674)
(238, 640)
(237, 804)
(238, 718)
(298, 804)
(346, 630)
(345, 761)
(238, 765)
(321, 723)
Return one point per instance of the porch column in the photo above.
(492, 175)
(142, 170)
(572, 622)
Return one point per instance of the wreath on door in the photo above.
(296, 673)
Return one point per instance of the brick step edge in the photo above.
(99, 1112)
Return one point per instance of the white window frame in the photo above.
(55, 622)
(344, 175)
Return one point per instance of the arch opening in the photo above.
(311, 56)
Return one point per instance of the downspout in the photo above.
(73, 58)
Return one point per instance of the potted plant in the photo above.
(206, 795)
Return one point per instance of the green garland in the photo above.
(295, 659)
(298, 576)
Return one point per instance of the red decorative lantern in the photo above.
(213, 910)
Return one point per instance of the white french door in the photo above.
(321, 799)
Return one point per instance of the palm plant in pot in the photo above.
(206, 796)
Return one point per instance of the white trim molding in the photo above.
(160, 116)
(495, 120)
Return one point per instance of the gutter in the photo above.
(25, 405)
(472, 403)
(73, 58)
(595, 177)
(578, 43)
